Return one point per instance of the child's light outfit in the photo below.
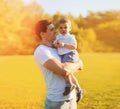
(67, 55)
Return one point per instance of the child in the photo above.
(67, 45)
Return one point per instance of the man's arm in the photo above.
(72, 67)
(63, 69)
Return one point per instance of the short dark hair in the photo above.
(41, 26)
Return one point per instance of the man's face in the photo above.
(50, 33)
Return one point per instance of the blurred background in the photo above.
(96, 24)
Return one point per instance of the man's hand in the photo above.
(63, 69)
(81, 65)
(73, 67)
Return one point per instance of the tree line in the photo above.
(97, 32)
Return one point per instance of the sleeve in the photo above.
(58, 38)
(42, 55)
(73, 40)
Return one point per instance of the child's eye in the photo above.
(65, 27)
(60, 27)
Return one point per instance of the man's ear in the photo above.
(42, 35)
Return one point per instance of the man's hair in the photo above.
(65, 20)
(41, 26)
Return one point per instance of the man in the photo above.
(53, 70)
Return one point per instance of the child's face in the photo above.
(64, 28)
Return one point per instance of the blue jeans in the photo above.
(72, 56)
(69, 104)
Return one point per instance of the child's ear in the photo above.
(70, 28)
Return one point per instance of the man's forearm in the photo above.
(56, 67)
(73, 67)
(62, 69)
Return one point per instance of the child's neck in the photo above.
(65, 34)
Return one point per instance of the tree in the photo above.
(17, 24)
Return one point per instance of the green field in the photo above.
(22, 85)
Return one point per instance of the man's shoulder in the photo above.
(39, 49)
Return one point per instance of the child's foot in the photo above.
(68, 89)
(80, 94)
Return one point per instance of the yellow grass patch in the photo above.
(22, 85)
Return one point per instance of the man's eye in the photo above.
(52, 29)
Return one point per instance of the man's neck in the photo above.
(47, 43)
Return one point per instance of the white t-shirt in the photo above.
(67, 39)
(55, 83)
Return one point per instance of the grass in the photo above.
(22, 86)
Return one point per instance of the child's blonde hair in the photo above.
(65, 20)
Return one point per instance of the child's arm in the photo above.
(55, 45)
(68, 46)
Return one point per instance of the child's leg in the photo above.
(80, 92)
(75, 82)
(69, 85)
(71, 80)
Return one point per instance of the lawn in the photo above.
(22, 86)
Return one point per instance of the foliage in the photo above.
(97, 32)
(17, 36)
(111, 34)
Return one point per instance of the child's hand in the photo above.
(60, 44)
(55, 44)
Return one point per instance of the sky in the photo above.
(77, 7)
